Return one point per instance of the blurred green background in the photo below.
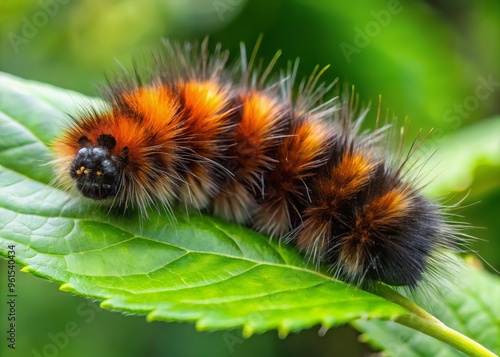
(436, 62)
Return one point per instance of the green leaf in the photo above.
(199, 269)
(462, 152)
(475, 312)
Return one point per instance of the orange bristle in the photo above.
(206, 117)
(252, 141)
(301, 152)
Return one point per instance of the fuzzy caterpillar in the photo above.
(238, 145)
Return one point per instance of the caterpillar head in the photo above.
(97, 173)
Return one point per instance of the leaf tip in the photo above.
(328, 321)
(155, 314)
(27, 269)
(67, 287)
(247, 331)
(106, 304)
(283, 330)
(200, 326)
(323, 330)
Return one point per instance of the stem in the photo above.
(445, 334)
(420, 320)
(392, 295)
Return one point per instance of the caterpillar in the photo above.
(260, 150)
